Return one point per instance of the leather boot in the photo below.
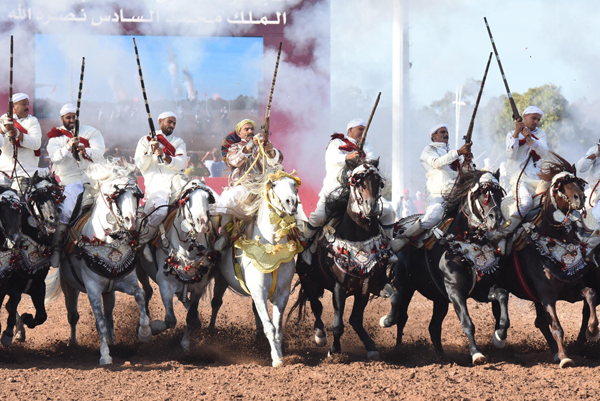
(413, 231)
(57, 240)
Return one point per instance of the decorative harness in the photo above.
(356, 178)
(8, 255)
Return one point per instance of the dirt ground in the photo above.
(231, 363)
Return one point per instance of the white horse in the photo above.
(183, 258)
(266, 259)
(103, 258)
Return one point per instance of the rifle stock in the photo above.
(361, 144)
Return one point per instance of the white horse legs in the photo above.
(260, 301)
(71, 300)
(95, 298)
(109, 305)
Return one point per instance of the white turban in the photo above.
(17, 97)
(68, 108)
(533, 110)
(357, 122)
(434, 129)
(167, 114)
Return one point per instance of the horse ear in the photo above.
(497, 174)
(35, 175)
(376, 162)
(574, 170)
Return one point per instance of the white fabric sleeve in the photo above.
(445, 160)
(540, 145)
(369, 151)
(33, 138)
(333, 155)
(179, 161)
(142, 160)
(56, 150)
(584, 164)
(97, 148)
(512, 145)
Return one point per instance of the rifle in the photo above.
(361, 144)
(150, 122)
(11, 105)
(76, 128)
(469, 134)
(516, 115)
(267, 123)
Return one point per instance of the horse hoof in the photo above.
(106, 360)
(479, 359)
(144, 334)
(157, 326)
(277, 363)
(20, 336)
(383, 323)
(185, 345)
(373, 356)
(72, 342)
(556, 358)
(320, 340)
(592, 338)
(7, 340)
(498, 342)
(566, 363)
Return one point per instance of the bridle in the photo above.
(487, 185)
(271, 197)
(32, 195)
(110, 201)
(556, 189)
(184, 208)
(358, 175)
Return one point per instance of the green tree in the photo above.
(556, 112)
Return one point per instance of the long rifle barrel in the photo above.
(361, 144)
(469, 135)
(150, 122)
(10, 86)
(513, 106)
(76, 129)
(268, 111)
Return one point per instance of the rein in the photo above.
(110, 200)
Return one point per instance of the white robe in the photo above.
(32, 141)
(592, 167)
(64, 164)
(517, 156)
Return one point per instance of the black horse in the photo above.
(457, 267)
(39, 219)
(352, 256)
(549, 259)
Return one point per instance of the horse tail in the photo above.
(53, 288)
(300, 303)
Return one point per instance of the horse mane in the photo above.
(250, 204)
(336, 202)
(465, 181)
(553, 165)
(109, 170)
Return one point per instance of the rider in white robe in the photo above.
(342, 148)
(442, 166)
(28, 133)
(160, 180)
(525, 147)
(590, 164)
(71, 173)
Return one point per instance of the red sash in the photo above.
(534, 155)
(348, 145)
(22, 129)
(57, 132)
(169, 149)
(455, 165)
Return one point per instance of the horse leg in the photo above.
(71, 301)
(406, 295)
(558, 334)
(440, 310)
(339, 303)
(37, 293)
(109, 305)
(259, 299)
(317, 309)
(357, 320)
(592, 333)
(167, 291)
(192, 319)
(460, 306)
(583, 330)
(542, 323)
(281, 300)
(130, 286)
(145, 280)
(20, 334)
(95, 298)
(499, 298)
(8, 334)
(218, 291)
(259, 325)
(391, 318)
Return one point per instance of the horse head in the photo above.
(567, 192)
(366, 183)
(122, 195)
(195, 200)
(282, 192)
(484, 203)
(42, 197)
(10, 219)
